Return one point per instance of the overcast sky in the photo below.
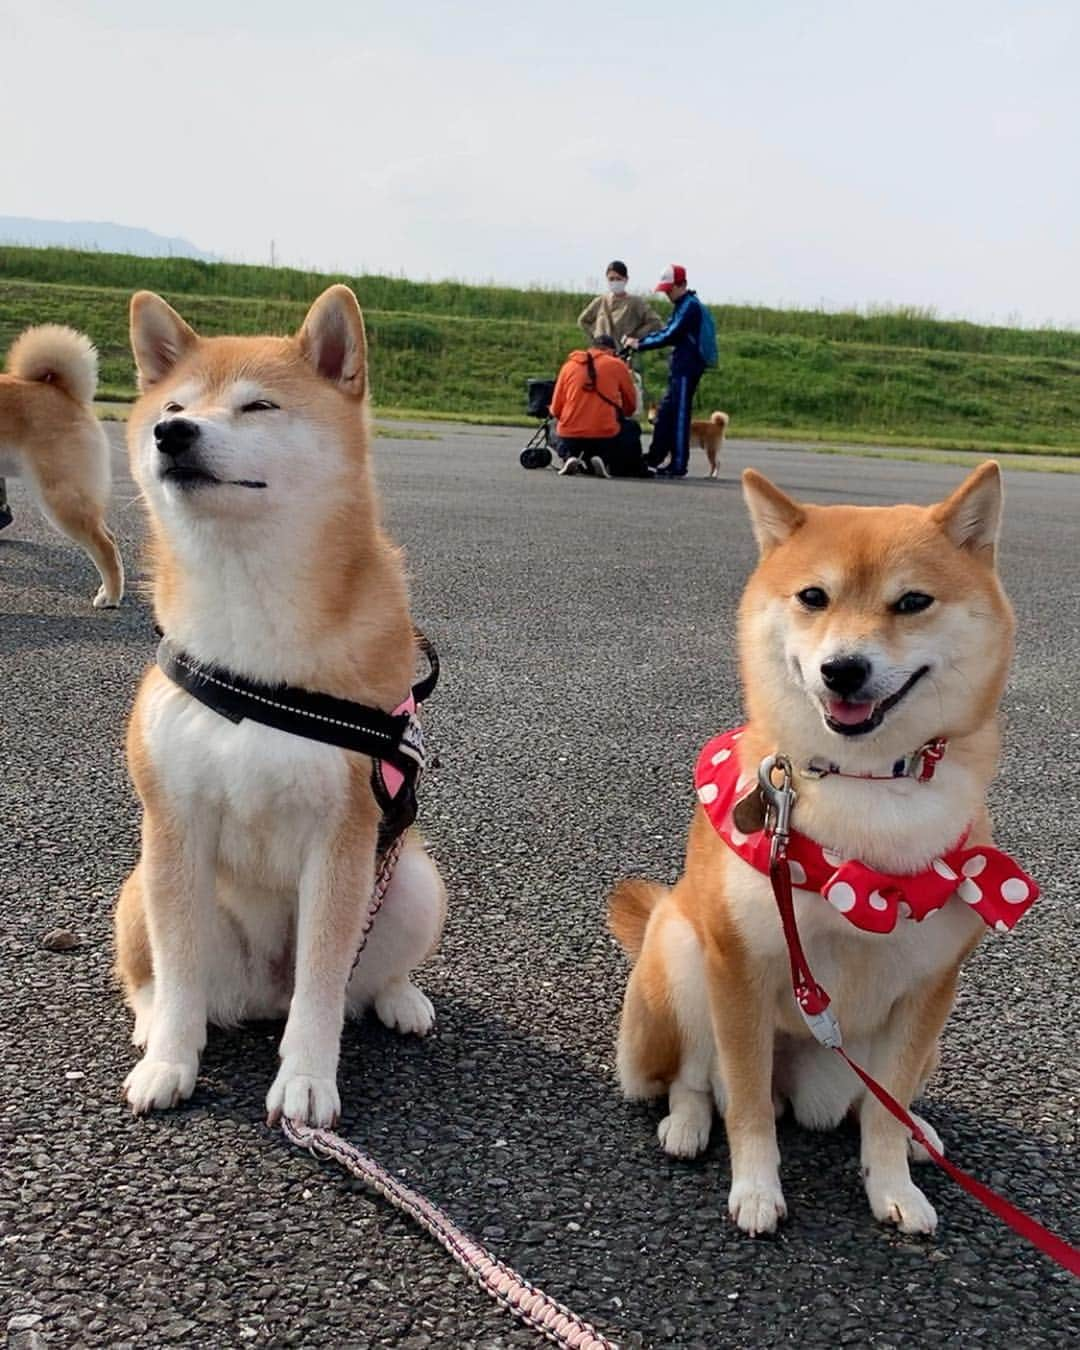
(844, 152)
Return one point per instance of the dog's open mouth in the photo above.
(856, 719)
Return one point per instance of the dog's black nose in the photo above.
(846, 675)
(174, 435)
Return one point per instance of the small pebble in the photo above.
(61, 940)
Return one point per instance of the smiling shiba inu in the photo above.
(874, 646)
(49, 434)
(258, 845)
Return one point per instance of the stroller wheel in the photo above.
(535, 457)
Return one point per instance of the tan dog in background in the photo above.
(49, 434)
(708, 434)
(911, 597)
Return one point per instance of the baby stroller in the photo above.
(538, 453)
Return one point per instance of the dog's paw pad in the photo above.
(157, 1085)
(683, 1136)
(402, 1007)
(757, 1206)
(905, 1206)
(305, 1099)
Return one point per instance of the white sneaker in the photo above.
(599, 467)
(571, 466)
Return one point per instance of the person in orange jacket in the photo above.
(594, 394)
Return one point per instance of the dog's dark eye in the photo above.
(173, 408)
(913, 602)
(259, 405)
(813, 597)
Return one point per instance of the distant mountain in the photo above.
(103, 236)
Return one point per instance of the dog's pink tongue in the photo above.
(849, 714)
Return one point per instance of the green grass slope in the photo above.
(467, 350)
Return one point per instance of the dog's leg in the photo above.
(175, 878)
(134, 963)
(335, 891)
(745, 1032)
(80, 519)
(95, 538)
(898, 1060)
(684, 1131)
(406, 931)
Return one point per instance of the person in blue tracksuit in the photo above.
(682, 332)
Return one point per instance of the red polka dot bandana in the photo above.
(982, 877)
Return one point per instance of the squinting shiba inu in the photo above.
(709, 433)
(48, 432)
(258, 846)
(870, 639)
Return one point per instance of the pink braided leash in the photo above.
(535, 1308)
(551, 1319)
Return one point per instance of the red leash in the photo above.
(813, 1003)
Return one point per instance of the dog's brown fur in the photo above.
(48, 432)
(707, 433)
(708, 1012)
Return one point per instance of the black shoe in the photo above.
(6, 516)
(668, 472)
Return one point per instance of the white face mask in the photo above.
(617, 287)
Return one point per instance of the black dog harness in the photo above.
(395, 741)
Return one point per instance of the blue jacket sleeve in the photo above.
(671, 332)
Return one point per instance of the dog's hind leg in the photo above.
(80, 518)
(134, 968)
(684, 1131)
(406, 931)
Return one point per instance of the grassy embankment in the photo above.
(447, 349)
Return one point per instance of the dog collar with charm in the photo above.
(985, 878)
(920, 766)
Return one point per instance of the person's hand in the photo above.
(633, 343)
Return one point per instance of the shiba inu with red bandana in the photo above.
(874, 646)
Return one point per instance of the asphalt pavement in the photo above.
(586, 634)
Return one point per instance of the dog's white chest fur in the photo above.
(270, 797)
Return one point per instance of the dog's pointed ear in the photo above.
(159, 337)
(333, 341)
(773, 514)
(971, 516)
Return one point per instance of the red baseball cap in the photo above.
(673, 276)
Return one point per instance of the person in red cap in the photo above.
(692, 335)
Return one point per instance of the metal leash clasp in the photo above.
(811, 1000)
(779, 802)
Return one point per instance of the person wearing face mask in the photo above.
(618, 314)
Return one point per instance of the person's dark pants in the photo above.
(671, 430)
(621, 453)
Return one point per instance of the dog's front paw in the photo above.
(402, 1007)
(757, 1205)
(902, 1204)
(300, 1097)
(159, 1084)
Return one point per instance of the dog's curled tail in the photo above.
(720, 419)
(53, 354)
(629, 907)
